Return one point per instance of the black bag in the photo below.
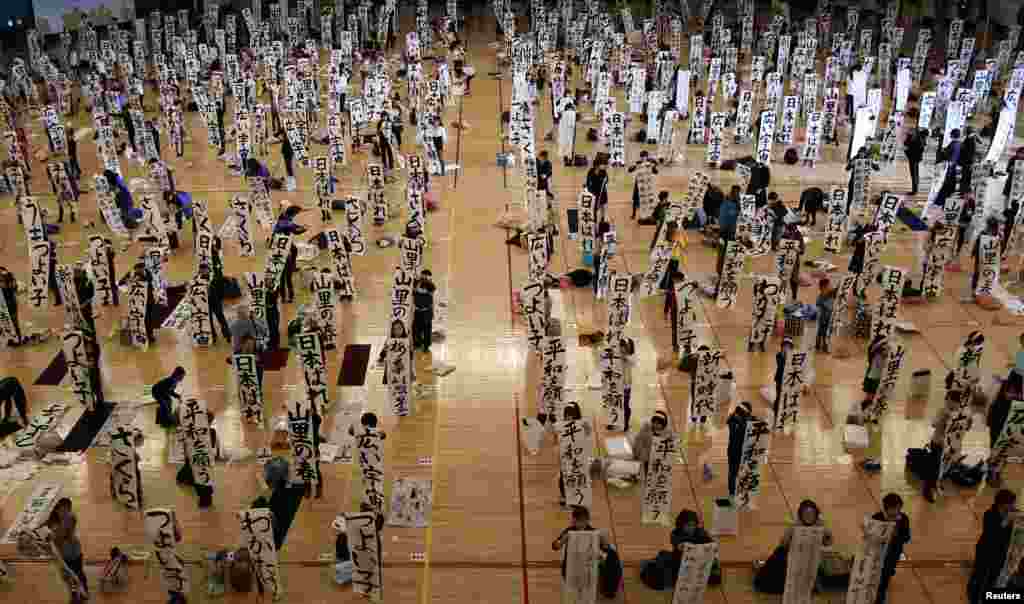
(592, 135)
(657, 573)
(580, 161)
(602, 158)
(610, 574)
(728, 165)
(791, 156)
(276, 184)
(232, 290)
(338, 204)
(641, 137)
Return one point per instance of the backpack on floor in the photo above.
(592, 135)
(791, 156)
(232, 289)
(580, 161)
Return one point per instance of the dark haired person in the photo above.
(892, 511)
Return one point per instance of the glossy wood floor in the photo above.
(495, 508)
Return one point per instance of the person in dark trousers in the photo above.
(892, 511)
(220, 128)
(76, 170)
(644, 159)
(737, 424)
(951, 153)
(12, 397)
(163, 392)
(597, 185)
(216, 300)
(273, 314)
(544, 173)
(785, 349)
(63, 525)
(963, 223)
(792, 233)
(968, 151)
(993, 546)
(423, 315)
(811, 202)
(387, 154)
(156, 137)
(9, 291)
(289, 157)
(778, 211)
(914, 148)
(286, 225)
(728, 217)
(603, 228)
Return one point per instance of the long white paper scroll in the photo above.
(399, 371)
(553, 367)
(80, 363)
(162, 532)
(314, 371)
(889, 303)
(257, 526)
(370, 456)
(729, 284)
(756, 441)
(705, 391)
(867, 566)
(835, 228)
(767, 297)
(367, 557)
(582, 554)
(198, 297)
(301, 428)
(35, 513)
(99, 265)
(250, 388)
(887, 385)
(280, 247)
(125, 482)
(195, 425)
(802, 569)
(576, 446)
(1011, 438)
(657, 490)
(792, 390)
(694, 571)
(988, 265)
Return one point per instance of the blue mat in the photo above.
(911, 220)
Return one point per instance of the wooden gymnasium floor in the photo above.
(496, 509)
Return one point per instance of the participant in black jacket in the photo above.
(990, 553)
(892, 511)
(968, 150)
(737, 424)
(597, 185)
(9, 290)
(914, 147)
(215, 295)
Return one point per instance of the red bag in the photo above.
(431, 199)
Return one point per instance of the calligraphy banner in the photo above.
(99, 264)
(988, 263)
(1011, 439)
(835, 228)
(791, 391)
(314, 370)
(767, 297)
(81, 364)
(582, 554)
(370, 451)
(35, 513)
(656, 504)
(867, 566)
(685, 317)
(250, 387)
(729, 284)
(694, 571)
(705, 391)
(195, 425)
(399, 371)
(162, 532)
(125, 480)
(367, 557)
(887, 385)
(802, 569)
(888, 303)
(553, 365)
(257, 526)
(756, 442)
(576, 446)
(301, 436)
(280, 248)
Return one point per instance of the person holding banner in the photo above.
(824, 303)
(892, 511)
(771, 576)
(580, 522)
(999, 410)
(785, 349)
(993, 545)
(688, 530)
(216, 299)
(644, 439)
(9, 291)
(737, 424)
